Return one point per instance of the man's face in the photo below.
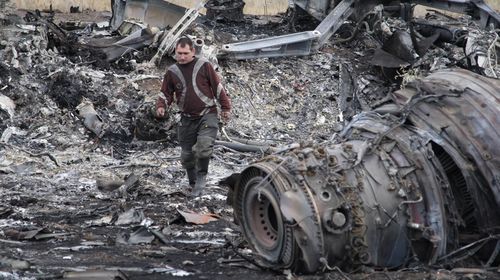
(184, 54)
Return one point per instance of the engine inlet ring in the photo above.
(263, 215)
(261, 219)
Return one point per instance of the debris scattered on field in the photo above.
(92, 185)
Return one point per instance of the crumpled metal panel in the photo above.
(384, 191)
(157, 13)
(463, 109)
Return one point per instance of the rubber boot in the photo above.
(191, 174)
(201, 181)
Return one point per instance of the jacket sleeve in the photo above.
(166, 96)
(218, 89)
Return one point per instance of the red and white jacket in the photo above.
(195, 87)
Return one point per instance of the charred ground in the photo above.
(73, 202)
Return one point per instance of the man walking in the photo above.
(194, 85)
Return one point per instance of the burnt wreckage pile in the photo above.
(411, 179)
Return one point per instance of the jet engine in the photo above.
(414, 180)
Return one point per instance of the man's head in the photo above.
(184, 50)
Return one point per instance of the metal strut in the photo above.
(286, 45)
(169, 40)
(299, 43)
(334, 20)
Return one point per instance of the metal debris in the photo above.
(388, 189)
(196, 218)
(229, 10)
(108, 184)
(91, 119)
(95, 275)
(7, 105)
(14, 264)
(132, 216)
(157, 13)
(283, 109)
(34, 234)
(334, 14)
(141, 235)
(168, 40)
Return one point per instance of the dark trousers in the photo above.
(196, 138)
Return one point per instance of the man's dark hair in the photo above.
(183, 41)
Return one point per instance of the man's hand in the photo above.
(225, 116)
(160, 112)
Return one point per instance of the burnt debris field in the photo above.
(372, 156)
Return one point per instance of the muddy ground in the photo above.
(59, 213)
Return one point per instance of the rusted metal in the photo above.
(388, 189)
